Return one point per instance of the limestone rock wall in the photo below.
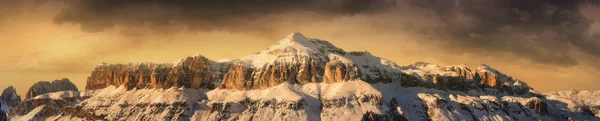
(190, 72)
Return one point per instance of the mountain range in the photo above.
(298, 78)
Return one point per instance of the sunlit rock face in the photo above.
(337, 71)
(297, 59)
(300, 60)
(460, 78)
(190, 72)
(454, 77)
(492, 78)
(44, 87)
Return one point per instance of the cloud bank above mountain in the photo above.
(545, 31)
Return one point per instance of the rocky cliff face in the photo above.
(190, 72)
(493, 78)
(44, 87)
(298, 60)
(460, 78)
(10, 97)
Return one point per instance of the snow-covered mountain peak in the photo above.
(485, 67)
(293, 48)
(296, 36)
(299, 42)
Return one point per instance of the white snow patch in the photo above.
(29, 116)
(295, 48)
(58, 95)
(342, 89)
(227, 60)
(284, 91)
(143, 96)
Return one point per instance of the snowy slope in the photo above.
(30, 115)
(58, 95)
(295, 48)
(350, 100)
(422, 69)
(144, 104)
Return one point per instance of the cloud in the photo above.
(9, 8)
(542, 31)
(204, 15)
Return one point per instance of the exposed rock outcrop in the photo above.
(455, 77)
(46, 106)
(3, 116)
(296, 59)
(493, 78)
(190, 72)
(537, 105)
(395, 113)
(461, 78)
(337, 71)
(595, 110)
(237, 76)
(44, 87)
(10, 97)
(300, 60)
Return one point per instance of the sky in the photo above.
(550, 44)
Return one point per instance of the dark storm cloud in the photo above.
(231, 15)
(544, 31)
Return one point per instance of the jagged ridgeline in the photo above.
(298, 60)
(304, 79)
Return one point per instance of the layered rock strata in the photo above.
(299, 60)
(190, 72)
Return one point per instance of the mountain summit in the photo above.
(301, 78)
